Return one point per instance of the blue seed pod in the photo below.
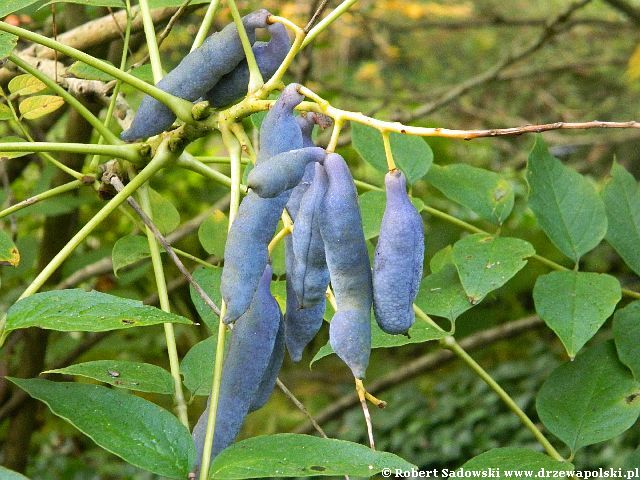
(306, 124)
(301, 324)
(280, 131)
(311, 275)
(234, 85)
(296, 193)
(349, 268)
(245, 253)
(195, 75)
(250, 351)
(283, 171)
(350, 338)
(397, 264)
(271, 374)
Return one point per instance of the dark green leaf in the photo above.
(412, 154)
(9, 254)
(441, 294)
(209, 280)
(633, 460)
(77, 310)
(420, 332)
(165, 215)
(486, 193)
(621, 197)
(135, 429)
(87, 72)
(575, 304)
(213, 233)
(372, 205)
(626, 331)
(589, 400)
(11, 6)
(141, 377)
(485, 263)
(197, 366)
(7, 41)
(441, 259)
(566, 205)
(129, 250)
(294, 455)
(505, 460)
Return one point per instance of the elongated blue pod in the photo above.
(349, 267)
(245, 367)
(269, 55)
(311, 275)
(283, 171)
(301, 324)
(280, 131)
(194, 76)
(397, 264)
(265, 389)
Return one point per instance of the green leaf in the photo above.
(87, 72)
(138, 431)
(77, 310)
(441, 259)
(209, 280)
(5, 112)
(165, 215)
(420, 332)
(213, 233)
(11, 6)
(589, 400)
(9, 155)
(514, 459)
(441, 294)
(486, 193)
(621, 196)
(141, 377)
(295, 455)
(197, 366)
(9, 254)
(129, 250)
(633, 460)
(7, 41)
(257, 119)
(411, 154)
(626, 332)
(372, 205)
(575, 304)
(6, 474)
(566, 205)
(26, 84)
(485, 263)
(32, 108)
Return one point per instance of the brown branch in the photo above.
(317, 11)
(425, 363)
(117, 184)
(626, 8)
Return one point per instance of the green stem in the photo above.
(205, 26)
(328, 20)
(126, 152)
(422, 315)
(152, 43)
(160, 160)
(451, 344)
(67, 187)
(235, 152)
(218, 159)
(163, 296)
(182, 108)
(255, 77)
(70, 99)
(116, 90)
(190, 163)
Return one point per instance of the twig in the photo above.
(300, 407)
(625, 7)
(8, 194)
(425, 363)
(117, 184)
(316, 14)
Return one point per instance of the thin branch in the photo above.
(117, 184)
(423, 364)
(627, 9)
(316, 14)
(300, 407)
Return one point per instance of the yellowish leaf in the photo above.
(39, 106)
(25, 85)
